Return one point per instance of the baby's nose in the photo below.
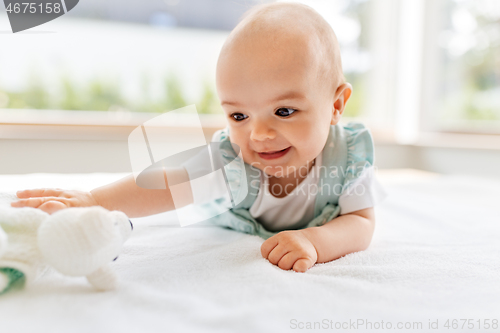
(262, 131)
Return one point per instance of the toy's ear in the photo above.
(103, 278)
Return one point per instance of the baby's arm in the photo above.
(301, 249)
(123, 195)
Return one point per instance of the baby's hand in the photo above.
(52, 200)
(290, 249)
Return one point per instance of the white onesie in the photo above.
(297, 208)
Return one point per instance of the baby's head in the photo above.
(280, 82)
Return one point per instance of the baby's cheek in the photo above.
(235, 138)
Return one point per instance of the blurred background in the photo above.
(425, 73)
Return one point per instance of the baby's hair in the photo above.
(269, 17)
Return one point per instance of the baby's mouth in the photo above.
(270, 155)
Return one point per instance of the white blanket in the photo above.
(435, 255)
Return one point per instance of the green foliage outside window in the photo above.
(105, 95)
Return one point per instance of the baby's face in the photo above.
(278, 113)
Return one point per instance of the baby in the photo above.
(279, 78)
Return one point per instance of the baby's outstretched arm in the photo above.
(301, 249)
(123, 195)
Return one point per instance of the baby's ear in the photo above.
(342, 95)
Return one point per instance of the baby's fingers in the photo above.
(33, 202)
(302, 265)
(268, 246)
(39, 192)
(52, 206)
(286, 262)
(277, 253)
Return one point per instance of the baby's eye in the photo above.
(239, 116)
(284, 112)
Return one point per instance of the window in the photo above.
(140, 56)
(463, 66)
(415, 65)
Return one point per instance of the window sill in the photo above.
(464, 141)
(116, 126)
(86, 125)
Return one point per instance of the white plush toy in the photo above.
(74, 241)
